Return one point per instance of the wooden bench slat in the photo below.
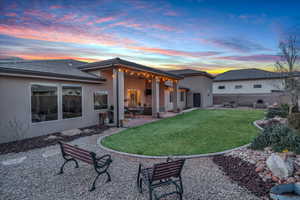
(67, 146)
(79, 156)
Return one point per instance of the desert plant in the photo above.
(281, 111)
(279, 137)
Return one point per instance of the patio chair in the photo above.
(161, 175)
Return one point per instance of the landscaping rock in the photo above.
(71, 132)
(14, 161)
(282, 168)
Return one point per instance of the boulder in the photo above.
(280, 167)
(71, 132)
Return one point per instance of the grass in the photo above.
(196, 132)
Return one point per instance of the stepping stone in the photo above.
(14, 161)
(51, 137)
(50, 153)
(71, 132)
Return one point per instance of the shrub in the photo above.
(294, 120)
(279, 137)
(281, 111)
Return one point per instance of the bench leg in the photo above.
(108, 177)
(62, 167)
(93, 185)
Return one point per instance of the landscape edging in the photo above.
(179, 157)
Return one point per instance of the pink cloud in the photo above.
(127, 24)
(58, 33)
(67, 17)
(105, 19)
(171, 13)
(39, 13)
(163, 27)
(253, 58)
(171, 52)
(11, 14)
(55, 6)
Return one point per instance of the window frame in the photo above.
(221, 87)
(94, 100)
(30, 102)
(61, 101)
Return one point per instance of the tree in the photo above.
(288, 65)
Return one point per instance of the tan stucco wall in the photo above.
(16, 104)
(198, 84)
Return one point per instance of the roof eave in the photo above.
(29, 73)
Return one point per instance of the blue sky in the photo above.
(210, 35)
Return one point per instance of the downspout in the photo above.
(117, 93)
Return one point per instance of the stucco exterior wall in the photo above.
(16, 106)
(198, 84)
(247, 86)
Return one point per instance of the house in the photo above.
(248, 86)
(46, 96)
(197, 86)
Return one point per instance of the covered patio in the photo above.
(136, 89)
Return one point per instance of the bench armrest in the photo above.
(106, 160)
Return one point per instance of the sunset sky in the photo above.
(210, 35)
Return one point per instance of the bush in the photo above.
(294, 120)
(279, 137)
(281, 111)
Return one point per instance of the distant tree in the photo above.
(288, 65)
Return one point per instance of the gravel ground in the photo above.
(35, 178)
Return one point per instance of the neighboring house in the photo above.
(196, 86)
(247, 86)
(47, 96)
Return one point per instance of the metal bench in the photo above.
(74, 153)
(162, 174)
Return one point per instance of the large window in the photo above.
(100, 100)
(43, 103)
(71, 101)
(182, 96)
(221, 87)
(238, 87)
(257, 86)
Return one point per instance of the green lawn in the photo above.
(196, 132)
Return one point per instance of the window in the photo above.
(221, 87)
(238, 87)
(100, 100)
(257, 86)
(171, 96)
(71, 101)
(182, 96)
(134, 97)
(43, 103)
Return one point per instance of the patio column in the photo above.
(175, 96)
(118, 95)
(155, 97)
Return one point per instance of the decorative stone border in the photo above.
(164, 157)
(257, 126)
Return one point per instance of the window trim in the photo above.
(30, 100)
(61, 101)
(93, 99)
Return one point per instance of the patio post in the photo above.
(118, 95)
(175, 96)
(155, 97)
